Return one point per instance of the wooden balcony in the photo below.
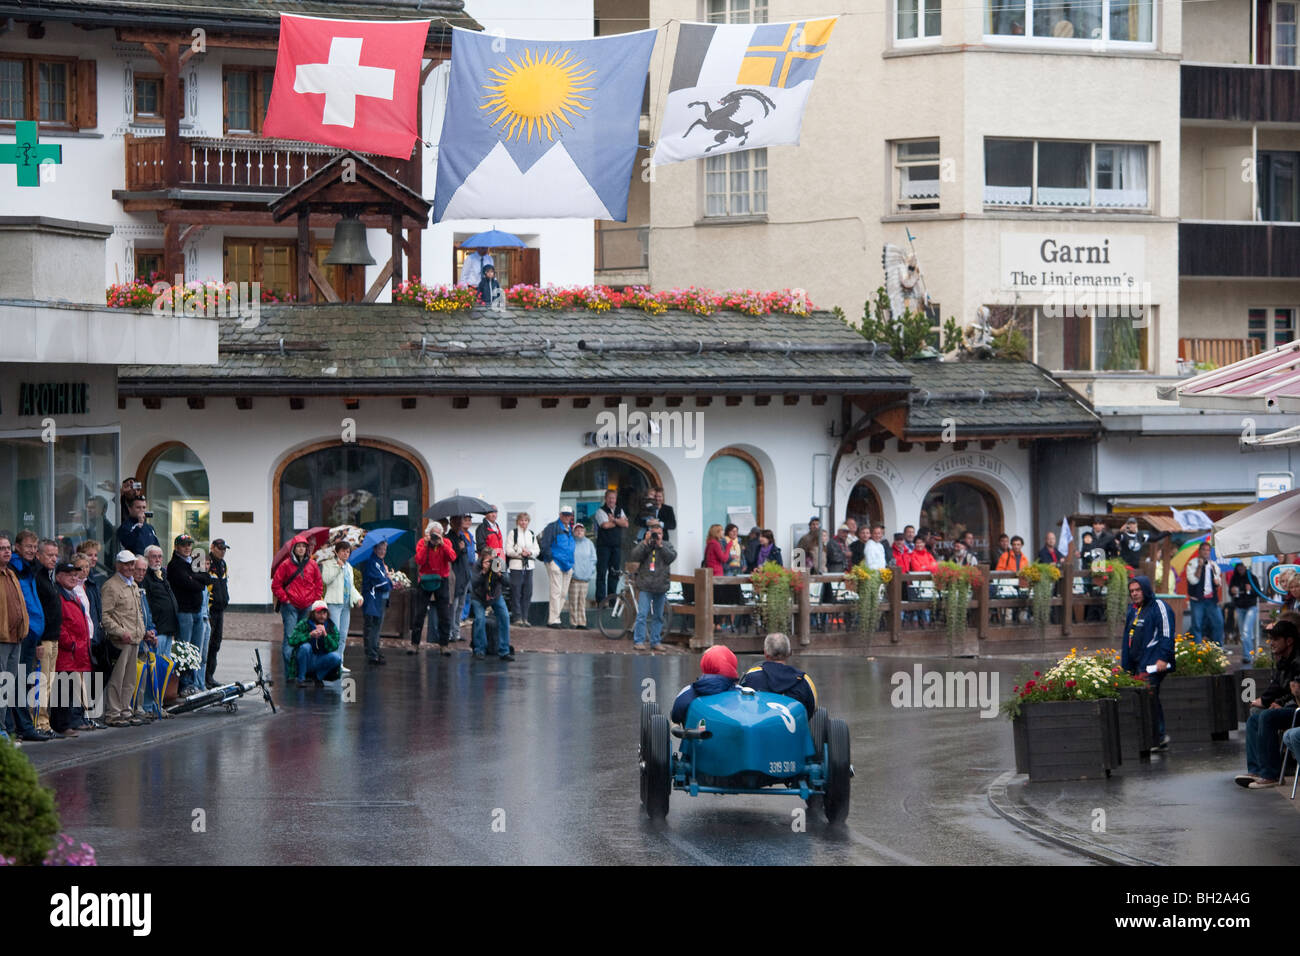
(1239, 249)
(240, 164)
(1245, 94)
(1217, 352)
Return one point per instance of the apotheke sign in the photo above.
(1053, 261)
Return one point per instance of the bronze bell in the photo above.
(349, 247)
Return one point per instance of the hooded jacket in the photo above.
(1148, 632)
(74, 635)
(26, 574)
(705, 686)
(299, 589)
(375, 587)
(556, 545)
(778, 677)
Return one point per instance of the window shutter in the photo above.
(87, 94)
(530, 267)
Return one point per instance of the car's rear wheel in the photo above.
(658, 774)
(648, 710)
(838, 773)
(820, 719)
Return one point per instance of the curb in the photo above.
(1032, 822)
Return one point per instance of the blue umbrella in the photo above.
(493, 239)
(373, 537)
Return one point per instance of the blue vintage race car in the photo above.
(746, 741)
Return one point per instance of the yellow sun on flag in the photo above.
(536, 93)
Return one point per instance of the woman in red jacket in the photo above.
(297, 584)
(434, 556)
(74, 655)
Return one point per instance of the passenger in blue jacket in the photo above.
(718, 673)
(775, 676)
(1147, 646)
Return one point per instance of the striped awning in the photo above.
(1266, 382)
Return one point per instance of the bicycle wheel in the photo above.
(609, 617)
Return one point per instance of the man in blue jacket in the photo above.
(1147, 646)
(775, 676)
(26, 565)
(555, 548)
(135, 533)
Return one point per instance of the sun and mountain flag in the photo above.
(348, 83)
(541, 129)
(739, 86)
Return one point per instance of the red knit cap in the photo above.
(719, 660)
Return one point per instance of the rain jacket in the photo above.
(584, 560)
(431, 560)
(337, 579)
(26, 574)
(1148, 632)
(556, 545)
(777, 677)
(74, 635)
(652, 573)
(20, 614)
(301, 589)
(375, 587)
(302, 635)
(706, 686)
(187, 584)
(162, 602)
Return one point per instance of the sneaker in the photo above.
(657, 648)
(1245, 779)
(1263, 784)
(479, 656)
(413, 650)
(372, 660)
(640, 647)
(35, 737)
(507, 657)
(1163, 744)
(446, 651)
(134, 722)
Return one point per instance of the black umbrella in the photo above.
(457, 505)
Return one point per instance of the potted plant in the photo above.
(1117, 602)
(955, 584)
(1040, 579)
(869, 584)
(1259, 671)
(1199, 696)
(185, 657)
(1137, 721)
(774, 589)
(1066, 722)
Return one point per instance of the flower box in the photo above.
(1199, 708)
(1068, 739)
(1261, 676)
(1137, 723)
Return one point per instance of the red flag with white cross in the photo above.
(348, 83)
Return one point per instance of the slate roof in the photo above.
(375, 349)
(232, 14)
(992, 397)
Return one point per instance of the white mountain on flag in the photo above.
(553, 188)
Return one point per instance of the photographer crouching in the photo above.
(486, 590)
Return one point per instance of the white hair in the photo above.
(776, 645)
(151, 549)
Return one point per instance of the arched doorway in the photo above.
(587, 480)
(365, 483)
(733, 491)
(176, 486)
(959, 505)
(864, 505)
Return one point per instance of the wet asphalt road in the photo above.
(442, 761)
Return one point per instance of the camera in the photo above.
(498, 565)
(148, 514)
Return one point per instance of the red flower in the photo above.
(1036, 674)
(1069, 683)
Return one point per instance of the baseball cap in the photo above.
(182, 539)
(125, 557)
(842, 527)
(221, 543)
(67, 566)
(320, 606)
(566, 510)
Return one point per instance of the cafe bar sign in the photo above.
(53, 398)
(1033, 261)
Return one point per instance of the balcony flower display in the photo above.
(694, 300)
(435, 298)
(868, 583)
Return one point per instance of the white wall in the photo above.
(567, 245)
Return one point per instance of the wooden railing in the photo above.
(1243, 94)
(258, 165)
(1218, 352)
(995, 624)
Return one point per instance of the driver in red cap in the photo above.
(718, 672)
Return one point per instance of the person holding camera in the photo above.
(136, 534)
(434, 557)
(487, 590)
(315, 644)
(653, 556)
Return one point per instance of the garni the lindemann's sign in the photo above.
(1051, 261)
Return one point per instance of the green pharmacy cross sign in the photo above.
(27, 156)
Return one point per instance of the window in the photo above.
(46, 90)
(1276, 173)
(737, 11)
(1104, 340)
(1284, 34)
(1070, 21)
(148, 98)
(735, 184)
(1057, 175)
(918, 20)
(247, 94)
(266, 261)
(148, 262)
(1271, 327)
(916, 175)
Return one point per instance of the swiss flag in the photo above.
(348, 83)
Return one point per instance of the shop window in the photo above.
(1070, 22)
(1063, 175)
(1271, 327)
(918, 20)
(176, 486)
(65, 489)
(584, 489)
(916, 175)
(735, 184)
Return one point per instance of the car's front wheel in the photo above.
(648, 710)
(658, 769)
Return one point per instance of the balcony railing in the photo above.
(1245, 249)
(1248, 94)
(1217, 352)
(256, 165)
(623, 247)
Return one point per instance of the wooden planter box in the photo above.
(1261, 676)
(1068, 740)
(1137, 724)
(1199, 708)
(397, 618)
